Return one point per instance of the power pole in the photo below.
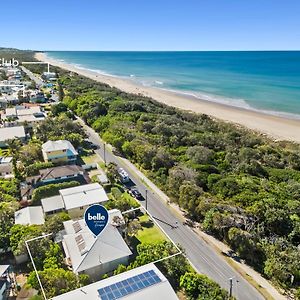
(146, 198)
(230, 287)
(104, 153)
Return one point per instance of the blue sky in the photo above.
(151, 24)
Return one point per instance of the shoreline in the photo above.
(275, 127)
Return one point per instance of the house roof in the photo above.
(83, 195)
(102, 176)
(61, 171)
(3, 269)
(6, 168)
(22, 110)
(7, 133)
(115, 213)
(87, 251)
(160, 290)
(50, 146)
(52, 203)
(30, 215)
(5, 160)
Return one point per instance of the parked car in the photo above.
(123, 175)
(136, 194)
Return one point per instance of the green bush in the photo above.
(117, 194)
(51, 190)
(33, 169)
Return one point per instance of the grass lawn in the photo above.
(90, 159)
(150, 233)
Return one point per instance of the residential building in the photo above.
(31, 215)
(51, 76)
(75, 200)
(6, 167)
(7, 100)
(145, 282)
(59, 151)
(58, 174)
(5, 88)
(23, 113)
(102, 178)
(53, 205)
(78, 199)
(8, 133)
(5, 281)
(37, 97)
(95, 256)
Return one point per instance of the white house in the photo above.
(145, 282)
(4, 281)
(50, 76)
(24, 113)
(31, 215)
(75, 200)
(6, 167)
(8, 133)
(91, 255)
(53, 205)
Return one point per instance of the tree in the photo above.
(59, 108)
(133, 227)
(54, 224)
(14, 146)
(57, 281)
(19, 234)
(53, 257)
(246, 245)
(7, 210)
(189, 194)
(175, 267)
(112, 172)
(200, 154)
(30, 153)
(199, 286)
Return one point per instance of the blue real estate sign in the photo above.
(96, 218)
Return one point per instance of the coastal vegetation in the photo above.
(241, 186)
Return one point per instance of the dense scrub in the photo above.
(242, 187)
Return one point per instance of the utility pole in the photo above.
(104, 153)
(230, 287)
(146, 198)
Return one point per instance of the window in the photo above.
(81, 207)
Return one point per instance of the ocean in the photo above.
(267, 81)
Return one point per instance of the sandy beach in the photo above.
(278, 128)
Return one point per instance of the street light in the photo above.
(230, 287)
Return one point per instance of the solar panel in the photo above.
(76, 226)
(129, 286)
(79, 239)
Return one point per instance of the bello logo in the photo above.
(96, 218)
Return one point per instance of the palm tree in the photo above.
(14, 146)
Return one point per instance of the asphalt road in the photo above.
(202, 256)
(38, 81)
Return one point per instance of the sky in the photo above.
(150, 24)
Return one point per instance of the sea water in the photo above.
(267, 81)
